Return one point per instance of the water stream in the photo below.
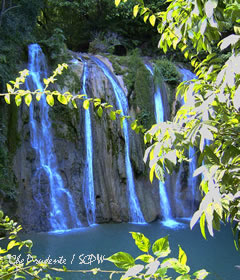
(192, 181)
(136, 215)
(88, 184)
(61, 201)
(164, 201)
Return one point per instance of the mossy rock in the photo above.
(143, 97)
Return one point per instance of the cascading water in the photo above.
(62, 209)
(164, 201)
(136, 215)
(192, 181)
(88, 184)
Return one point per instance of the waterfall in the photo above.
(192, 181)
(136, 215)
(88, 184)
(62, 209)
(164, 201)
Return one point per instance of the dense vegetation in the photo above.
(207, 33)
(84, 25)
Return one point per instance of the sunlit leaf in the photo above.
(141, 241)
(135, 10)
(50, 100)
(28, 99)
(117, 2)
(161, 247)
(7, 98)
(86, 104)
(152, 20)
(122, 260)
(18, 99)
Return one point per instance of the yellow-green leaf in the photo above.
(7, 98)
(38, 96)
(86, 104)
(74, 103)
(28, 99)
(182, 257)
(117, 2)
(146, 17)
(112, 115)
(50, 100)
(46, 82)
(135, 10)
(100, 111)
(62, 99)
(151, 173)
(152, 20)
(9, 88)
(202, 225)
(18, 99)
(11, 244)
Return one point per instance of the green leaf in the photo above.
(117, 2)
(7, 98)
(18, 99)
(9, 88)
(182, 257)
(201, 274)
(86, 104)
(135, 10)
(12, 244)
(134, 125)
(151, 173)
(74, 103)
(180, 268)
(50, 100)
(146, 16)
(141, 241)
(161, 272)
(202, 225)
(28, 99)
(28, 243)
(122, 260)
(112, 116)
(38, 96)
(122, 120)
(161, 247)
(145, 258)
(46, 81)
(62, 99)
(152, 20)
(100, 111)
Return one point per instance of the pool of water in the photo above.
(216, 254)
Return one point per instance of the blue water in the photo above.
(61, 201)
(192, 181)
(164, 201)
(136, 215)
(88, 184)
(216, 254)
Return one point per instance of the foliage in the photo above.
(55, 47)
(17, 21)
(143, 97)
(168, 70)
(66, 98)
(105, 42)
(210, 118)
(152, 268)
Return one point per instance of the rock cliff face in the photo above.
(108, 161)
(109, 170)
